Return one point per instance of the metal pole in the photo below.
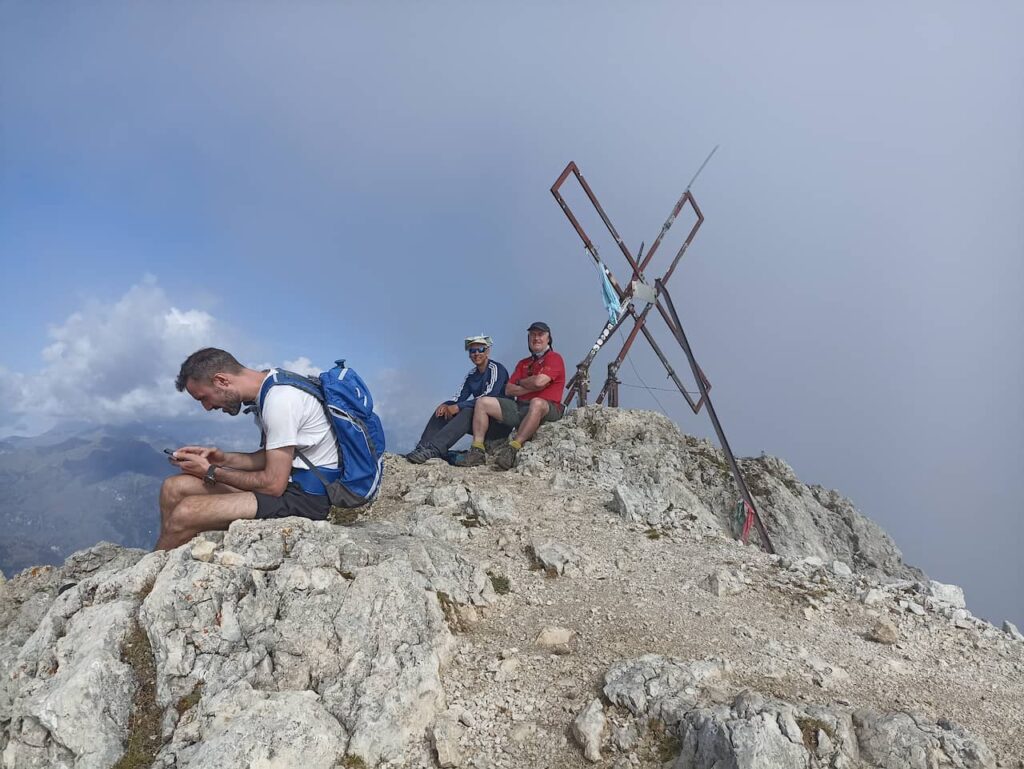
(611, 385)
(676, 327)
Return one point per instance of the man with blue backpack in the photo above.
(322, 446)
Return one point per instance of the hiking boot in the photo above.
(421, 454)
(472, 458)
(495, 445)
(506, 457)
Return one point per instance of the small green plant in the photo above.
(450, 609)
(144, 723)
(666, 745)
(343, 516)
(536, 564)
(353, 761)
(500, 583)
(190, 700)
(809, 728)
(669, 747)
(531, 556)
(652, 534)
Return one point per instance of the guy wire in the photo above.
(649, 390)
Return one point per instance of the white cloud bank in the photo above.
(116, 362)
(111, 362)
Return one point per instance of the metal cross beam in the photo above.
(639, 289)
(752, 516)
(578, 385)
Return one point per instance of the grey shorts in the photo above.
(294, 501)
(512, 412)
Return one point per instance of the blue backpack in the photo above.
(358, 431)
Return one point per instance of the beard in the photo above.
(232, 403)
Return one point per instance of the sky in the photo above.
(307, 181)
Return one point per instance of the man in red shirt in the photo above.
(535, 396)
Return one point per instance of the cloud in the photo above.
(112, 362)
(116, 362)
(402, 405)
(301, 365)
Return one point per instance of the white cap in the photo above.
(486, 341)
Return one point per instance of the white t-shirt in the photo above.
(293, 418)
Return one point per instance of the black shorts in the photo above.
(512, 412)
(294, 501)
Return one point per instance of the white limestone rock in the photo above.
(311, 641)
(240, 727)
(952, 595)
(449, 495)
(873, 597)
(640, 685)
(507, 669)
(202, 550)
(915, 608)
(840, 569)
(652, 471)
(724, 582)
(427, 522)
(554, 638)
(557, 557)
(825, 674)
(1011, 630)
(588, 730)
(884, 632)
(760, 733)
(909, 741)
(445, 736)
(491, 508)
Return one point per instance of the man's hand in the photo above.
(192, 462)
(196, 460)
(211, 454)
(447, 411)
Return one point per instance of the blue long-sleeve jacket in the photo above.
(477, 384)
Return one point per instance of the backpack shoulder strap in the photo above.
(281, 377)
(307, 384)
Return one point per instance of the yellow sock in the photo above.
(479, 445)
(515, 444)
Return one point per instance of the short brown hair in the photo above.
(203, 364)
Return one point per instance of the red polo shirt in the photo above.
(550, 363)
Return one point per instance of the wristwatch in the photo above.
(210, 478)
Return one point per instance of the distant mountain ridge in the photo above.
(76, 484)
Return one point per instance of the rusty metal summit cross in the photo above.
(640, 290)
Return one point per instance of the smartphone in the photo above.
(170, 453)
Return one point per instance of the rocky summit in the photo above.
(589, 608)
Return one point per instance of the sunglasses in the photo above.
(477, 350)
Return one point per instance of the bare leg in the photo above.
(198, 513)
(484, 410)
(174, 491)
(538, 410)
(177, 487)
